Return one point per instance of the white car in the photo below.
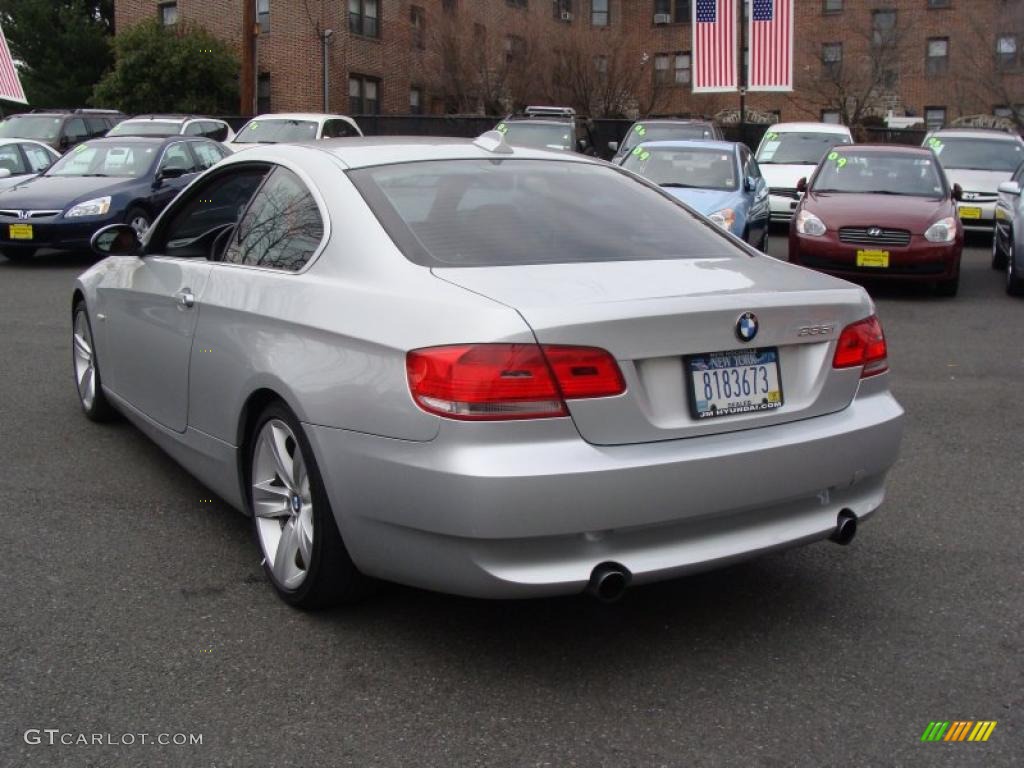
(791, 151)
(173, 125)
(292, 127)
(21, 159)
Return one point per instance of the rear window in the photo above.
(146, 128)
(473, 213)
(797, 148)
(642, 132)
(978, 154)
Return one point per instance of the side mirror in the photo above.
(1007, 188)
(613, 146)
(170, 173)
(116, 240)
(801, 186)
(958, 192)
(750, 183)
(5, 173)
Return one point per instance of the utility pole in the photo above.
(324, 38)
(743, 70)
(247, 91)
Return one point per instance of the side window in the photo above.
(177, 157)
(195, 128)
(206, 211)
(75, 129)
(282, 227)
(338, 129)
(10, 158)
(208, 154)
(38, 158)
(215, 130)
(97, 126)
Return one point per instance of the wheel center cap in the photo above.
(296, 504)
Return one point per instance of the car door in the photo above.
(176, 159)
(151, 312)
(1008, 211)
(74, 132)
(760, 209)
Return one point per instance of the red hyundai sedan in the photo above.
(880, 211)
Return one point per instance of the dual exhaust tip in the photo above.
(608, 581)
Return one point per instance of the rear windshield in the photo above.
(797, 148)
(880, 173)
(17, 127)
(670, 167)
(641, 132)
(538, 135)
(978, 154)
(145, 128)
(275, 131)
(473, 213)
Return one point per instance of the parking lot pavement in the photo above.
(131, 605)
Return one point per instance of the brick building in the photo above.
(932, 58)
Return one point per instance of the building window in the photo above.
(683, 69)
(515, 48)
(516, 3)
(934, 117)
(672, 11)
(940, 3)
(883, 27)
(830, 116)
(418, 20)
(363, 18)
(1006, 51)
(363, 95)
(448, 6)
(661, 68)
(832, 6)
(263, 15)
(168, 14)
(937, 61)
(599, 13)
(832, 58)
(263, 105)
(561, 10)
(415, 101)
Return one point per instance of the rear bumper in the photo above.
(984, 223)
(921, 260)
(782, 207)
(533, 513)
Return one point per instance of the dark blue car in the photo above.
(105, 181)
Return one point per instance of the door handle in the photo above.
(186, 298)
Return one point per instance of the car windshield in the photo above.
(145, 128)
(701, 168)
(641, 132)
(797, 148)
(106, 159)
(494, 212)
(30, 127)
(274, 131)
(538, 135)
(881, 173)
(978, 154)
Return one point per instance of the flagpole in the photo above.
(742, 70)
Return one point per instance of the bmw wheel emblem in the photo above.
(746, 326)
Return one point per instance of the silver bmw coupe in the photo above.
(483, 370)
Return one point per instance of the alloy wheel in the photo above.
(140, 224)
(85, 362)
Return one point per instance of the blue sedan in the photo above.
(105, 181)
(719, 179)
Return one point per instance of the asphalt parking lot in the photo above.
(132, 605)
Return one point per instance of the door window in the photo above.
(338, 128)
(38, 158)
(11, 159)
(202, 215)
(216, 130)
(195, 128)
(177, 157)
(97, 126)
(208, 154)
(75, 129)
(282, 228)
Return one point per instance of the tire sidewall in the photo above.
(100, 410)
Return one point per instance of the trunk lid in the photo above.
(651, 314)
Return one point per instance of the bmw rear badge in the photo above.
(746, 326)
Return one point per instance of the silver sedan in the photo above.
(483, 370)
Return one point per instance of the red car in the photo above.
(880, 211)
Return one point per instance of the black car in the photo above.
(100, 182)
(664, 129)
(557, 128)
(61, 129)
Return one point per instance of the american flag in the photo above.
(10, 83)
(714, 46)
(771, 46)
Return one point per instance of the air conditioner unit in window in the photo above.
(662, 18)
(566, 15)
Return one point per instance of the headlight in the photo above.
(809, 224)
(724, 218)
(96, 207)
(942, 231)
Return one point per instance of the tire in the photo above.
(303, 554)
(998, 256)
(764, 240)
(948, 288)
(18, 255)
(85, 365)
(1014, 279)
(138, 219)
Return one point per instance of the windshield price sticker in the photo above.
(640, 130)
(837, 159)
(502, 128)
(936, 145)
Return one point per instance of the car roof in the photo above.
(976, 133)
(887, 149)
(356, 152)
(677, 121)
(155, 140)
(721, 146)
(809, 128)
(316, 116)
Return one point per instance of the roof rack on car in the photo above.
(549, 112)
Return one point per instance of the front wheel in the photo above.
(1014, 280)
(87, 371)
(139, 220)
(303, 553)
(998, 257)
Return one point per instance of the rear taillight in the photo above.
(509, 381)
(862, 344)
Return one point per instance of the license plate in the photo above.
(970, 212)
(872, 259)
(20, 231)
(729, 383)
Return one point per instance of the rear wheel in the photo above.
(998, 256)
(303, 553)
(18, 254)
(1014, 279)
(87, 372)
